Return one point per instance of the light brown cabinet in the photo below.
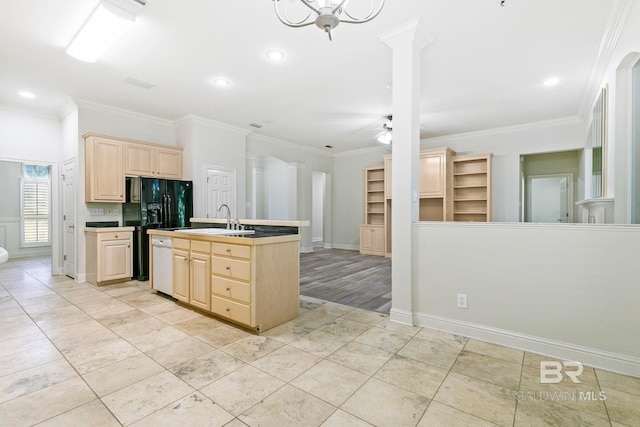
(372, 239)
(436, 190)
(152, 161)
(104, 175)
(472, 188)
(109, 255)
(372, 235)
(192, 272)
(109, 159)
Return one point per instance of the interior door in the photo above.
(550, 198)
(221, 188)
(69, 241)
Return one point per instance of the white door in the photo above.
(221, 188)
(69, 240)
(550, 198)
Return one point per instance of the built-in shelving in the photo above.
(372, 232)
(472, 188)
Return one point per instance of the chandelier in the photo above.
(326, 14)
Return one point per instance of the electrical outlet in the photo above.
(96, 211)
(462, 300)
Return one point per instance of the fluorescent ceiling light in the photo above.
(104, 27)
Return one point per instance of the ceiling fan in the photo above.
(386, 136)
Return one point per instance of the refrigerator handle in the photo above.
(163, 211)
(169, 221)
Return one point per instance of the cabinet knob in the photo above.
(228, 250)
(228, 289)
(228, 268)
(116, 236)
(228, 309)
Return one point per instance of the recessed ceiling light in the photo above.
(275, 55)
(221, 82)
(26, 94)
(551, 81)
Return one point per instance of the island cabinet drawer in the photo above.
(200, 246)
(231, 310)
(231, 289)
(114, 235)
(233, 268)
(183, 244)
(228, 249)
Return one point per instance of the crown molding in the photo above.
(101, 108)
(377, 149)
(290, 145)
(42, 113)
(410, 32)
(67, 107)
(547, 124)
(618, 15)
(192, 119)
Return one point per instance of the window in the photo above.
(35, 205)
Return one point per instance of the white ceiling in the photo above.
(485, 69)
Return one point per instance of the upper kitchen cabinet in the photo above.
(152, 161)
(104, 169)
(434, 165)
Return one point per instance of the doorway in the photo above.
(68, 219)
(221, 188)
(317, 208)
(550, 198)
(550, 186)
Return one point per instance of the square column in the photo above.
(406, 43)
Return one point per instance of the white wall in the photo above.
(117, 123)
(565, 289)
(277, 189)
(348, 194)
(303, 162)
(317, 205)
(29, 136)
(507, 144)
(210, 143)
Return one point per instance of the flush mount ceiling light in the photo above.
(221, 82)
(106, 24)
(326, 14)
(26, 94)
(386, 137)
(275, 55)
(551, 81)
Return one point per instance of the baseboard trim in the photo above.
(596, 358)
(347, 247)
(81, 278)
(306, 250)
(401, 316)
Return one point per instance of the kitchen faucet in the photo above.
(224, 205)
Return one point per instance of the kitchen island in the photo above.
(251, 279)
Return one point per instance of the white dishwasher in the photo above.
(162, 247)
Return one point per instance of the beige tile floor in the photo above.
(75, 355)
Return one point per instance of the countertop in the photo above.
(272, 222)
(245, 239)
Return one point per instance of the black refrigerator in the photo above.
(154, 203)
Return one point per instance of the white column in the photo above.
(406, 43)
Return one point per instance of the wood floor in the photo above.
(347, 277)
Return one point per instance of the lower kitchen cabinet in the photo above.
(192, 272)
(109, 255)
(257, 286)
(372, 239)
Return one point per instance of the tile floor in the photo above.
(74, 354)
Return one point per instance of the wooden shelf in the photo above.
(472, 188)
(372, 232)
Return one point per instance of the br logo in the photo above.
(551, 371)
